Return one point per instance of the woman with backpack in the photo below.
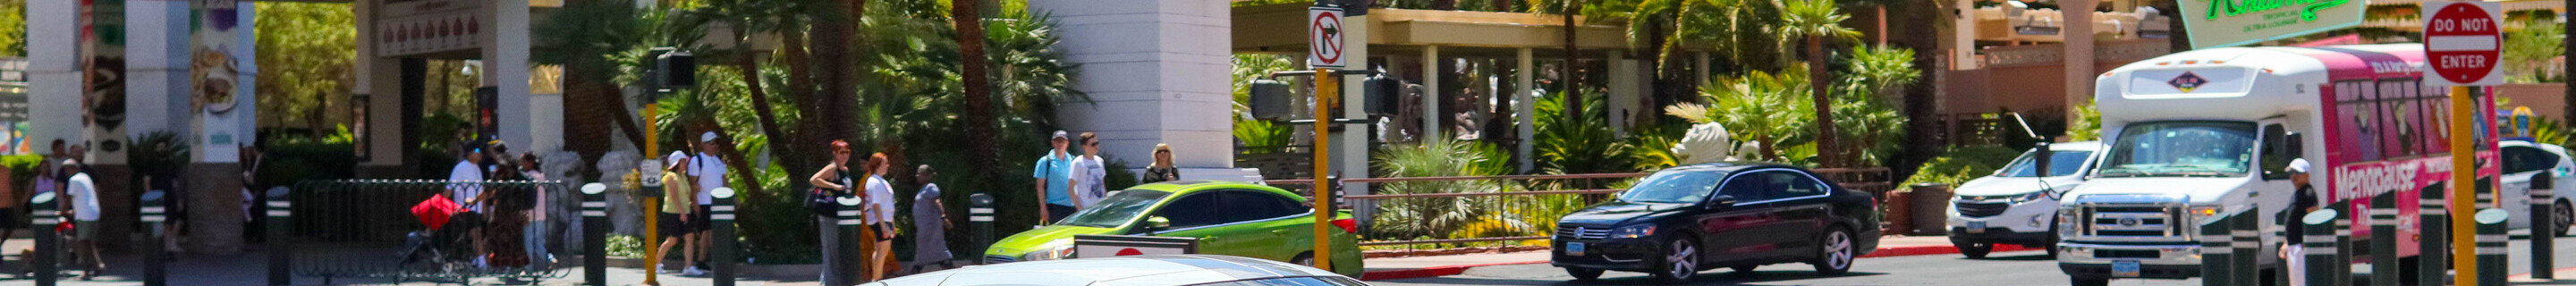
(830, 183)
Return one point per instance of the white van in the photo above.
(2017, 205)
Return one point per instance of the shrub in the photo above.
(1963, 164)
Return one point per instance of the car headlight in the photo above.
(2204, 213)
(1050, 253)
(1634, 231)
(2030, 197)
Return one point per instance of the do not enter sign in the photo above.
(2462, 42)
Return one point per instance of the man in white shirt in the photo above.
(709, 170)
(1089, 185)
(83, 195)
(466, 190)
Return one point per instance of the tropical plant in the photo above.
(1763, 107)
(2088, 126)
(1578, 142)
(590, 40)
(1264, 136)
(1870, 111)
(1565, 9)
(1248, 67)
(1963, 164)
(1436, 217)
(2527, 51)
(1818, 21)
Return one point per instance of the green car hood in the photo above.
(1042, 238)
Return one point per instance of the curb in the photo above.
(1448, 270)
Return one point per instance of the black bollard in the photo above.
(2383, 240)
(981, 216)
(2543, 234)
(49, 244)
(721, 257)
(594, 234)
(847, 255)
(156, 265)
(2218, 251)
(2245, 235)
(2345, 251)
(281, 243)
(2319, 239)
(2434, 217)
(2491, 246)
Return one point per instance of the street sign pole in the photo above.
(2462, 43)
(1325, 54)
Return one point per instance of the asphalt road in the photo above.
(2008, 268)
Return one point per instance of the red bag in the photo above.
(434, 212)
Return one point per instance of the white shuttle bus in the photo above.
(2206, 134)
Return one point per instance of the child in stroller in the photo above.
(439, 245)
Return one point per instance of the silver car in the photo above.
(1149, 270)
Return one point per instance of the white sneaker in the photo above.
(693, 272)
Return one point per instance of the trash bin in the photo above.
(1929, 202)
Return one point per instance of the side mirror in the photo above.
(1157, 223)
(1719, 202)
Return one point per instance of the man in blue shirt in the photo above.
(1054, 174)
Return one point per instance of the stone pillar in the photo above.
(380, 84)
(1522, 102)
(505, 67)
(1157, 72)
(2078, 32)
(1431, 72)
(53, 74)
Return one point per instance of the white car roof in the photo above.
(1124, 270)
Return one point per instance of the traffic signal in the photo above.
(1384, 95)
(1270, 99)
(674, 69)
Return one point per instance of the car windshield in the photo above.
(2060, 163)
(2182, 149)
(1120, 208)
(1674, 187)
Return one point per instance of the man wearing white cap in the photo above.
(709, 170)
(2303, 200)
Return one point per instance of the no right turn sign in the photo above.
(1324, 37)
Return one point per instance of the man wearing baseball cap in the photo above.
(1054, 173)
(2303, 200)
(709, 170)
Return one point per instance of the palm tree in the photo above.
(1565, 70)
(1817, 21)
(979, 110)
(585, 38)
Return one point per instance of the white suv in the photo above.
(2017, 205)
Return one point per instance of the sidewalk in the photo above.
(2566, 276)
(1437, 266)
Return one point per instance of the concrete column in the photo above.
(156, 60)
(379, 80)
(53, 74)
(1431, 95)
(505, 66)
(2078, 30)
(1351, 146)
(1623, 103)
(1157, 73)
(1522, 100)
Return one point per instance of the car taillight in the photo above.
(1347, 225)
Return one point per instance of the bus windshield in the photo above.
(2182, 149)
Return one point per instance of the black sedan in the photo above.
(1686, 219)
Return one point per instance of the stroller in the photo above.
(440, 246)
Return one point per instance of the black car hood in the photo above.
(1617, 212)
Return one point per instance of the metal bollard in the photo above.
(980, 212)
(2319, 239)
(156, 265)
(848, 255)
(281, 243)
(594, 234)
(2383, 240)
(2491, 246)
(2434, 216)
(2345, 250)
(2543, 237)
(49, 244)
(2245, 236)
(2218, 252)
(720, 215)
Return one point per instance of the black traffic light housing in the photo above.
(1270, 99)
(1384, 95)
(673, 68)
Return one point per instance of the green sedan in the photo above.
(1228, 218)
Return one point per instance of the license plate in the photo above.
(1574, 249)
(1976, 227)
(2124, 268)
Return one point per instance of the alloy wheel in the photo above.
(1681, 263)
(1837, 253)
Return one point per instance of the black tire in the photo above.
(1305, 259)
(2564, 215)
(2090, 281)
(1740, 269)
(1975, 250)
(1680, 262)
(1836, 251)
(1583, 274)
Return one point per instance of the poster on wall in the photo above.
(102, 44)
(214, 76)
(2225, 23)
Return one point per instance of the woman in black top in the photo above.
(1162, 170)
